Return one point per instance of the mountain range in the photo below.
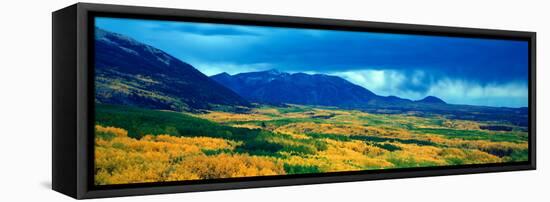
(128, 72)
(275, 87)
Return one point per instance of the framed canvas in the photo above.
(156, 100)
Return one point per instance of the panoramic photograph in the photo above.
(181, 101)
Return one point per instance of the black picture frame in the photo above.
(73, 88)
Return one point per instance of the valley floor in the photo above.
(135, 145)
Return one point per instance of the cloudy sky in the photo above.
(458, 70)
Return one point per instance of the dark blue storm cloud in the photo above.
(459, 70)
(204, 30)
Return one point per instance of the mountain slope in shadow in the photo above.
(129, 72)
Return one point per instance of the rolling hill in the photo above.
(431, 100)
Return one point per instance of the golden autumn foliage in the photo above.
(341, 129)
(119, 132)
(228, 165)
(310, 127)
(354, 155)
(464, 125)
(121, 159)
(249, 126)
(225, 117)
(306, 139)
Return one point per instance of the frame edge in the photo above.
(64, 145)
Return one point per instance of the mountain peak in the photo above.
(223, 74)
(273, 72)
(277, 87)
(432, 100)
(113, 37)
